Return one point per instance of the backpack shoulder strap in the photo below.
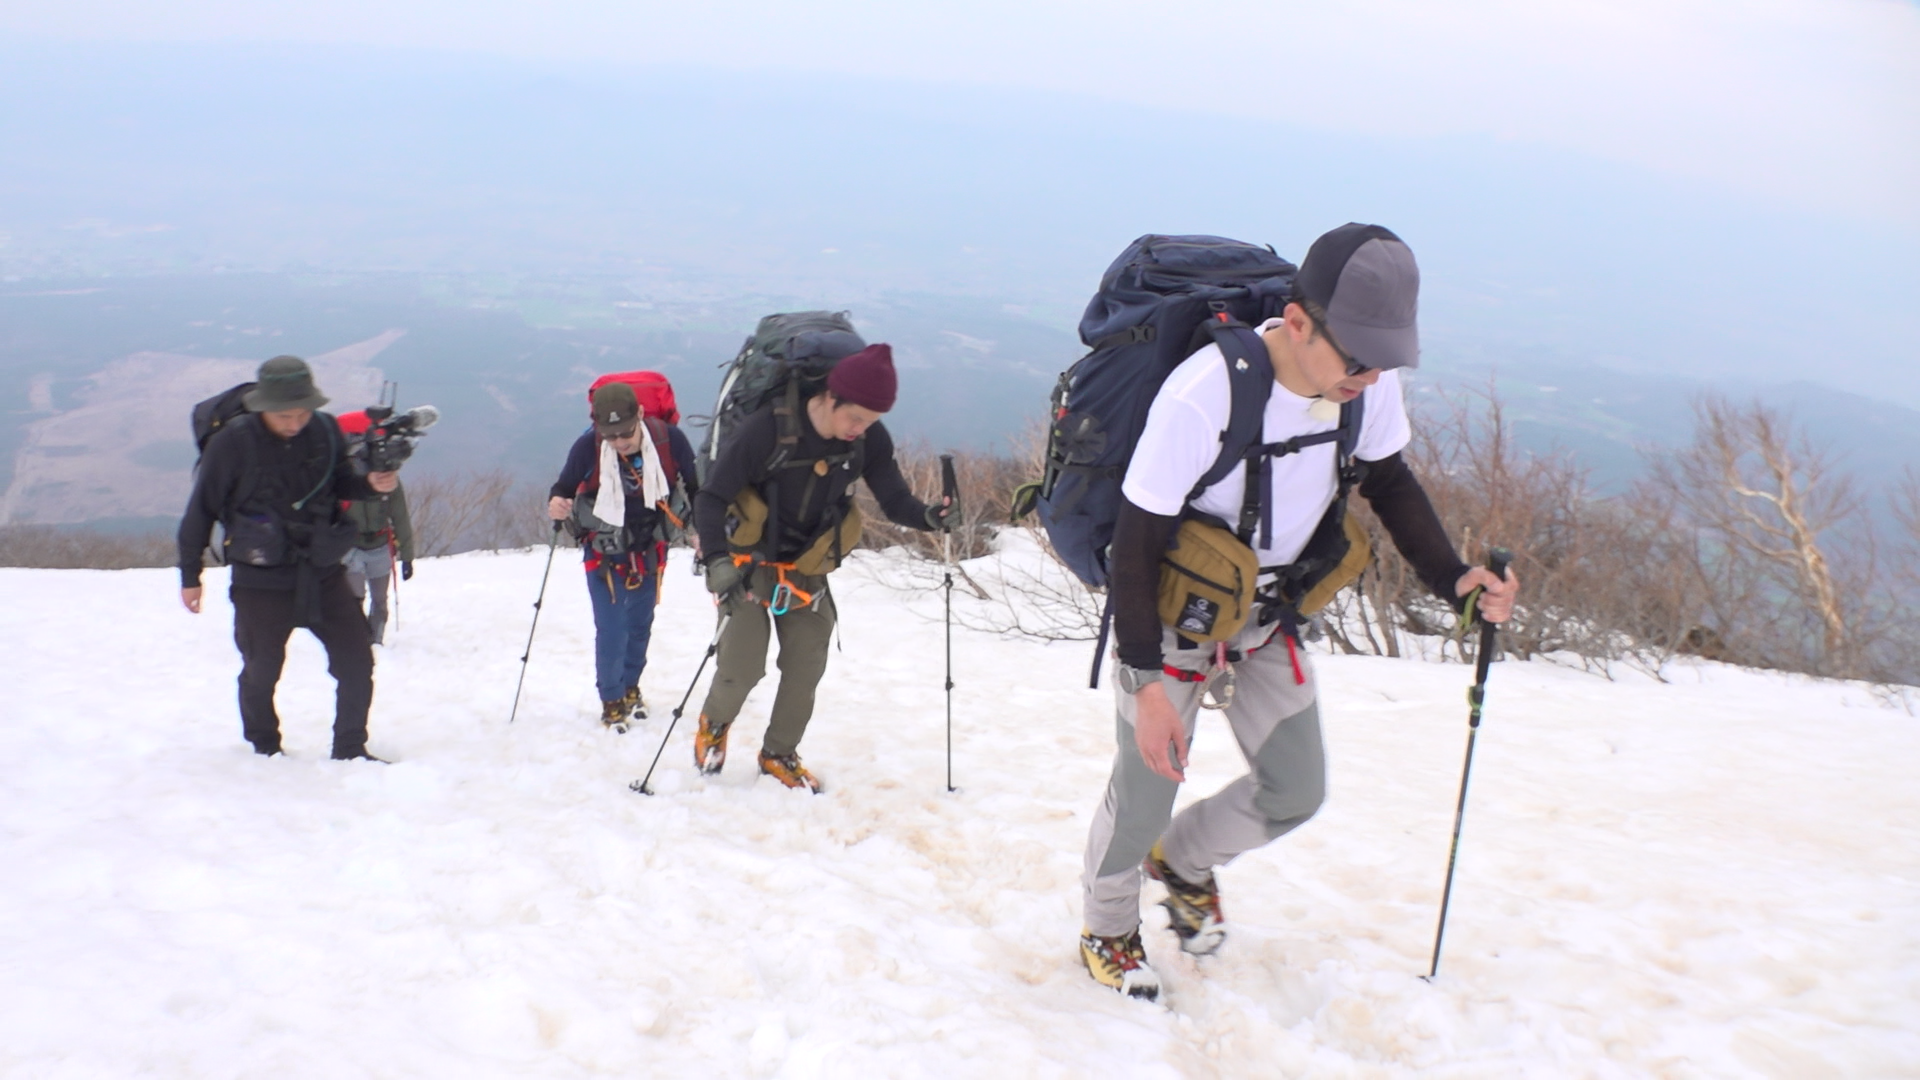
(1250, 383)
(786, 425)
(663, 445)
(1349, 470)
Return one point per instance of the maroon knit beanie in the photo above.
(866, 378)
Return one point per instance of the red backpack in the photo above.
(657, 410)
(650, 387)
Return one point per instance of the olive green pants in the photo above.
(806, 634)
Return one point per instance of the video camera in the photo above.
(389, 439)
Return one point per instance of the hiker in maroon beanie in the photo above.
(775, 517)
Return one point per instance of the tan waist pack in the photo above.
(747, 524)
(1207, 581)
(1352, 562)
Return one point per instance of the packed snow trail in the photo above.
(1717, 877)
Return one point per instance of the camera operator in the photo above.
(383, 525)
(274, 479)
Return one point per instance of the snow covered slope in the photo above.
(1717, 877)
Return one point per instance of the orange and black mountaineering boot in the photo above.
(614, 715)
(787, 769)
(710, 747)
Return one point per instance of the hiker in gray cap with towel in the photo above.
(274, 479)
(1345, 333)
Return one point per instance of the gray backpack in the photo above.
(787, 356)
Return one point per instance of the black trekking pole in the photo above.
(713, 646)
(1497, 560)
(537, 601)
(950, 490)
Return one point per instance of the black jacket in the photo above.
(801, 508)
(249, 478)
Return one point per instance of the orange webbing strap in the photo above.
(785, 592)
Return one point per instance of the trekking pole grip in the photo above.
(1497, 561)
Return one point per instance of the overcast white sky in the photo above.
(1806, 103)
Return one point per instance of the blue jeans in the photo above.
(622, 626)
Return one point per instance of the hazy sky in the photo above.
(1809, 104)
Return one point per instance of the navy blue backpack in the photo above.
(1163, 298)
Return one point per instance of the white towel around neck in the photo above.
(610, 502)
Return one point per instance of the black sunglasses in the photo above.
(1354, 367)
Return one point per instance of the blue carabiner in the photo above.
(782, 599)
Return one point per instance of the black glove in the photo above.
(724, 575)
(943, 518)
(406, 570)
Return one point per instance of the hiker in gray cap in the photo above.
(274, 478)
(1333, 419)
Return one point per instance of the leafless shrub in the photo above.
(70, 547)
(1780, 542)
(986, 482)
(1596, 571)
(1011, 594)
(484, 510)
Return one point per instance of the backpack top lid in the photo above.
(798, 336)
(652, 389)
(1156, 267)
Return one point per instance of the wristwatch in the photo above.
(1132, 679)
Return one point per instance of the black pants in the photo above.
(263, 619)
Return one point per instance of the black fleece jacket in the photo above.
(247, 470)
(1140, 540)
(802, 512)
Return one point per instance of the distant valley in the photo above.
(97, 377)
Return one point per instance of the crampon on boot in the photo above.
(1121, 963)
(710, 747)
(614, 715)
(636, 704)
(787, 769)
(1193, 908)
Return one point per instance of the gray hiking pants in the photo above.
(806, 634)
(1277, 724)
(371, 570)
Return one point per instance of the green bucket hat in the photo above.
(284, 382)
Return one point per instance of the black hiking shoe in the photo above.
(1120, 962)
(1193, 908)
(359, 755)
(614, 715)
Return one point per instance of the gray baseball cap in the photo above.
(284, 382)
(1365, 278)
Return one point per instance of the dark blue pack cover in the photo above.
(1162, 299)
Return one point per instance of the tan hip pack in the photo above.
(1207, 581)
(747, 525)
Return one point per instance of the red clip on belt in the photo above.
(1299, 677)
